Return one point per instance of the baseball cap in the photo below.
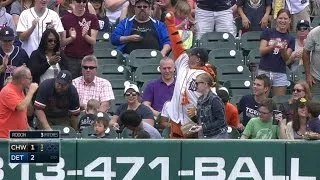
(64, 77)
(303, 23)
(131, 86)
(201, 53)
(147, 1)
(7, 34)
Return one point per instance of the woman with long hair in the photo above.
(46, 61)
(300, 90)
(276, 47)
(98, 6)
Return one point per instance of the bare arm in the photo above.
(148, 103)
(306, 61)
(264, 48)
(5, 3)
(64, 40)
(104, 106)
(15, 19)
(113, 121)
(92, 38)
(285, 54)
(149, 121)
(23, 105)
(165, 50)
(43, 119)
(26, 34)
(113, 4)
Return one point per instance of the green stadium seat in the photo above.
(315, 22)
(235, 99)
(233, 133)
(238, 87)
(250, 40)
(280, 99)
(103, 41)
(215, 40)
(89, 131)
(218, 57)
(109, 56)
(253, 57)
(140, 57)
(65, 131)
(299, 74)
(233, 72)
(146, 73)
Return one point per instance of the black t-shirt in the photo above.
(57, 105)
(150, 37)
(86, 121)
(249, 108)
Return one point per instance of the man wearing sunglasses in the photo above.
(57, 102)
(141, 31)
(33, 22)
(89, 86)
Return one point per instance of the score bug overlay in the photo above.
(34, 147)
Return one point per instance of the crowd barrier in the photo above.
(172, 159)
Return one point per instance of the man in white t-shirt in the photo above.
(34, 21)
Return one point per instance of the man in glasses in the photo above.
(79, 37)
(141, 31)
(89, 86)
(57, 102)
(11, 56)
(33, 22)
(311, 60)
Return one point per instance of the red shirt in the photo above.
(10, 117)
(232, 115)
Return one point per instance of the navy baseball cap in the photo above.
(7, 34)
(64, 77)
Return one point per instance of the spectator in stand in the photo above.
(231, 111)
(133, 121)
(11, 56)
(18, 6)
(210, 113)
(299, 10)
(90, 115)
(6, 20)
(141, 31)
(183, 18)
(57, 102)
(303, 29)
(80, 36)
(310, 58)
(261, 127)
(46, 60)
(89, 86)
(157, 92)
(300, 90)
(100, 126)
(142, 134)
(67, 6)
(132, 96)
(276, 47)
(214, 16)
(98, 6)
(314, 115)
(113, 9)
(129, 11)
(248, 104)
(254, 14)
(14, 103)
(33, 22)
(6, 5)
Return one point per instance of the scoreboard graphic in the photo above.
(34, 147)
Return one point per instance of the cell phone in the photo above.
(276, 113)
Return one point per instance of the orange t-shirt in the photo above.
(232, 115)
(10, 118)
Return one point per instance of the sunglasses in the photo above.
(89, 67)
(140, 7)
(303, 28)
(297, 90)
(52, 41)
(83, 1)
(132, 94)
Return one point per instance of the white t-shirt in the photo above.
(296, 6)
(25, 22)
(185, 82)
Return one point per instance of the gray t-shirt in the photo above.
(153, 132)
(313, 44)
(6, 20)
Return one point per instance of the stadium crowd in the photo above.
(50, 77)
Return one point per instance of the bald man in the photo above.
(14, 103)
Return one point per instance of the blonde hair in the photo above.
(93, 105)
(205, 77)
(182, 7)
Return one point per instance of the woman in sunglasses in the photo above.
(300, 90)
(132, 98)
(46, 62)
(303, 29)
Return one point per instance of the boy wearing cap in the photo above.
(132, 98)
(57, 102)
(11, 56)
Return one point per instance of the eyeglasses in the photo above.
(52, 41)
(297, 90)
(303, 28)
(197, 83)
(83, 1)
(264, 112)
(140, 7)
(89, 67)
(132, 94)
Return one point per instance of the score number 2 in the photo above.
(137, 162)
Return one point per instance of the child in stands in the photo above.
(90, 115)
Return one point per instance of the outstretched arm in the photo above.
(176, 42)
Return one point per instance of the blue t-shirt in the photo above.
(273, 61)
(249, 108)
